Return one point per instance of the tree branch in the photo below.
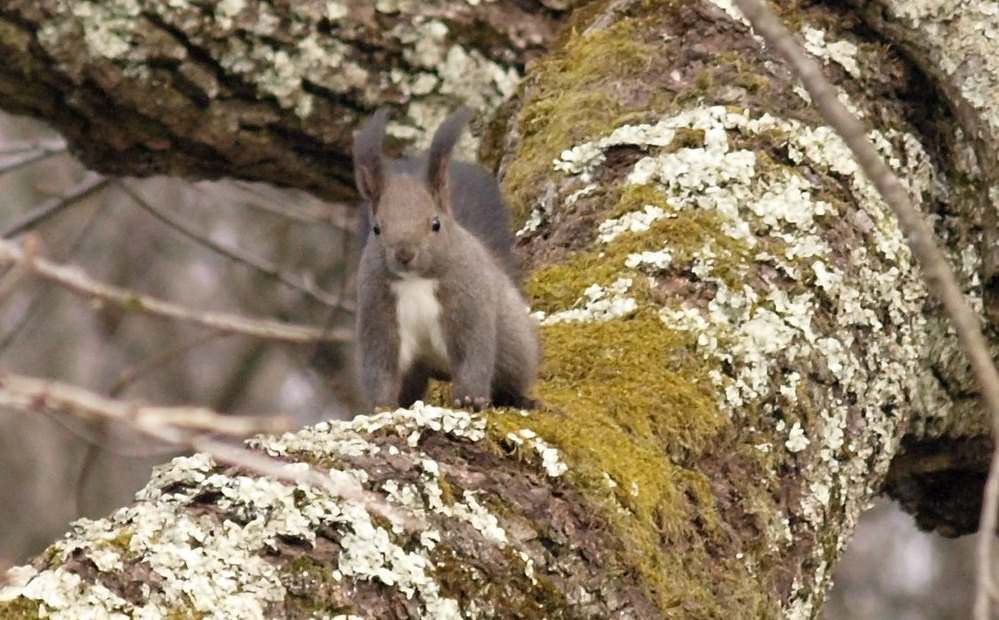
(238, 256)
(90, 185)
(267, 93)
(939, 277)
(20, 159)
(78, 282)
(186, 427)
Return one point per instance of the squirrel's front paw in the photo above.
(474, 403)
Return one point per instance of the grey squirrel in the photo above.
(436, 295)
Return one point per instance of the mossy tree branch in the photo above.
(255, 90)
(732, 324)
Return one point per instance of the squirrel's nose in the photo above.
(404, 255)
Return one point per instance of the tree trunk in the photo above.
(737, 341)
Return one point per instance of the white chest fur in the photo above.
(418, 312)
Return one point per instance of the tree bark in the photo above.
(945, 454)
(266, 91)
(737, 342)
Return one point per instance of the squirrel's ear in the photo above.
(369, 164)
(439, 157)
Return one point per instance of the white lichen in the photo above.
(597, 304)
(756, 329)
(796, 439)
(843, 53)
(659, 260)
(219, 568)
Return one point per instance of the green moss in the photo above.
(571, 101)
(641, 415)
(122, 541)
(636, 197)
(447, 490)
(736, 68)
(558, 286)
(513, 592)
(51, 556)
(20, 609)
(185, 614)
(312, 591)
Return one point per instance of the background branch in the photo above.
(191, 428)
(238, 256)
(76, 281)
(90, 185)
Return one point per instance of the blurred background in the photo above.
(168, 238)
(52, 469)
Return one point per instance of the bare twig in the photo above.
(13, 277)
(25, 393)
(937, 272)
(238, 256)
(134, 373)
(303, 214)
(189, 428)
(77, 281)
(38, 299)
(11, 161)
(91, 184)
(14, 148)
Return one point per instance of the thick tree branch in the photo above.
(259, 91)
(733, 322)
(939, 276)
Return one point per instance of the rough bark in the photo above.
(266, 91)
(945, 455)
(736, 338)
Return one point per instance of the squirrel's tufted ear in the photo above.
(439, 158)
(369, 164)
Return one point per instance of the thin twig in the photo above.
(13, 277)
(238, 256)
(302, 214)
(134, 373)
(38, 299)
(190, 428)
(26, 393)
(939, 277)
(77, 281)
(14, 148)
(67, 405)
(12, 162)
(89, 185)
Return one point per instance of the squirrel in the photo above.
(437, 294)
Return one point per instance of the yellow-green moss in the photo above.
(20, 609)
(312, 589)
(447, 490)
(570, 101)
(729, 68)
(122, 541)
(516, 594)
(558, 286)
(185, 614)
(626, 398)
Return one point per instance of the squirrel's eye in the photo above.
(435, 224)
(376, 229)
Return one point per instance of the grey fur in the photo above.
(490, 340)
(475, 201)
